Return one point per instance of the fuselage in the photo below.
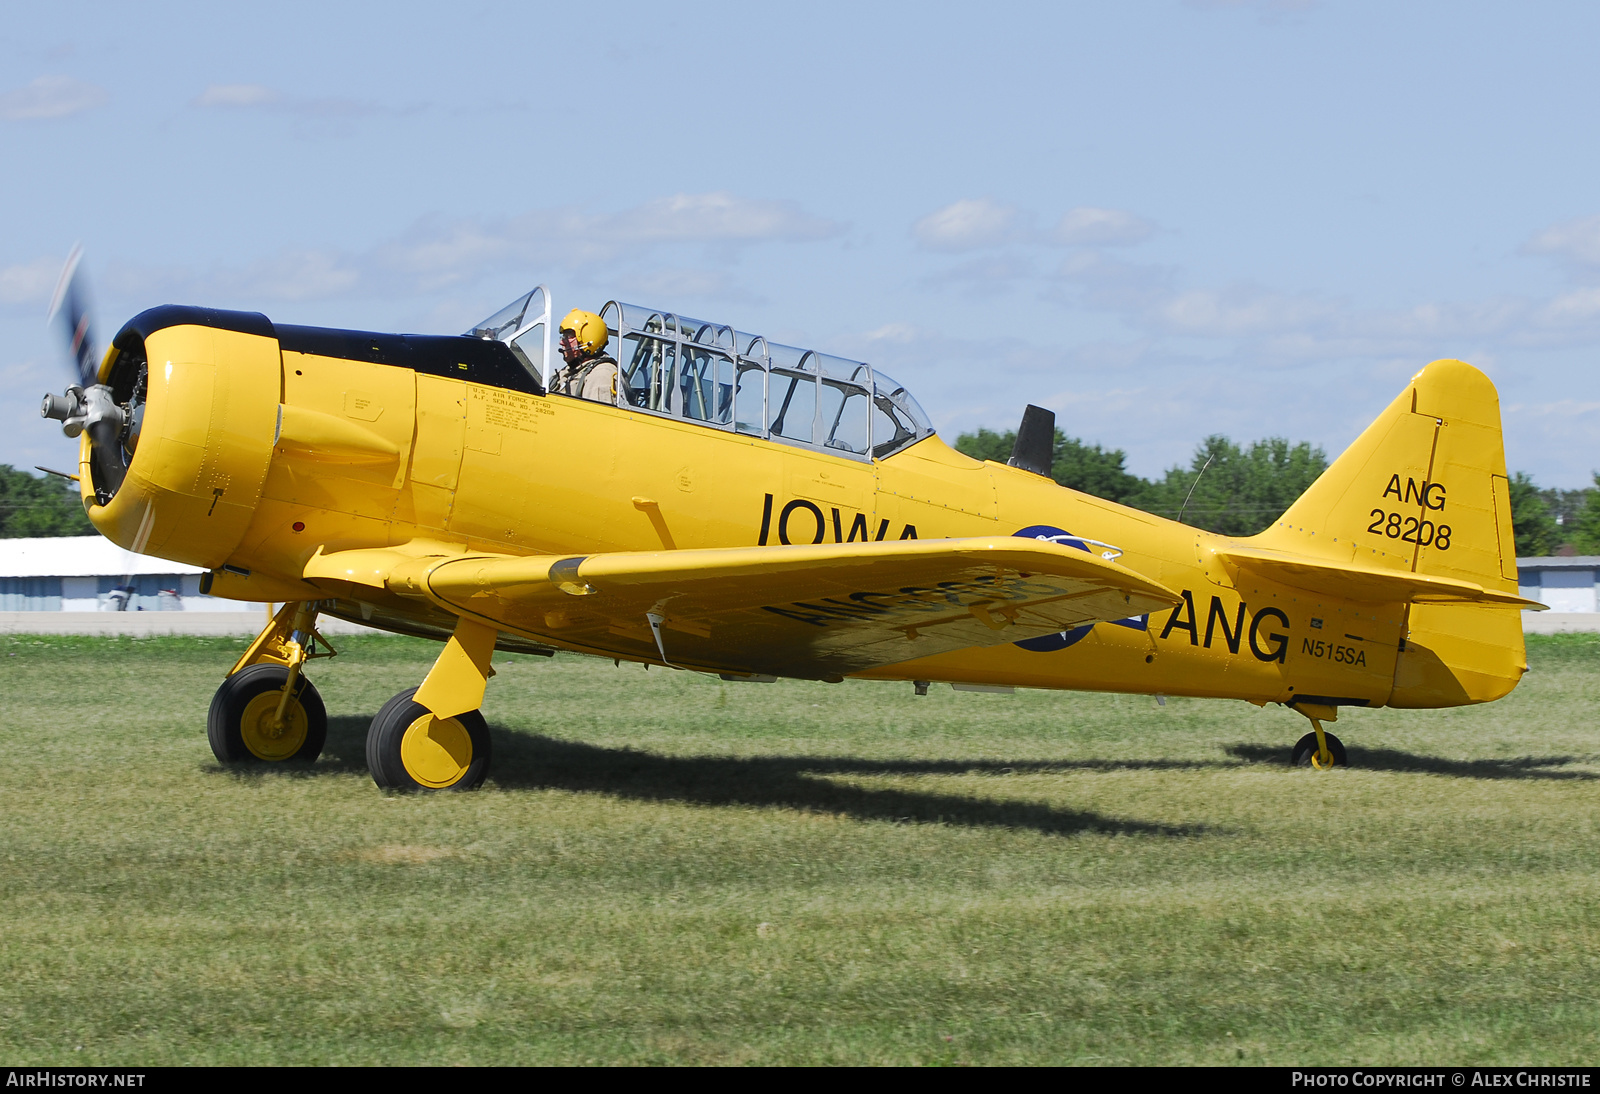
(255, 456)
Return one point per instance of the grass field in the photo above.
(667, 869)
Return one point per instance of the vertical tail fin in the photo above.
(1424, 488)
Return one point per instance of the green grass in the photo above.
(667, 869)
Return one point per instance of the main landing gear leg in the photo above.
(433, 737)
(266, 710)
(1319, 748)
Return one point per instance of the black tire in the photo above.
(1306, 746)
(388, 753)
(240, 698)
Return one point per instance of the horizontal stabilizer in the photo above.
(1355, 582)
(819, 611)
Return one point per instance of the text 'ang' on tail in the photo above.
(1424, 490)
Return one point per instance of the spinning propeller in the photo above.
(87, 405)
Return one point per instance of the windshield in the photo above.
(506, 322)
(524, 325)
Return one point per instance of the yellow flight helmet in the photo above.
(588, 330)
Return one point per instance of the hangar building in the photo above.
(1566, 584)
(92, 574)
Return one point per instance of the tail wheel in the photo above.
(408, 748)
(1305, 750)
(241, 725)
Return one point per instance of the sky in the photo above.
(1161, 220)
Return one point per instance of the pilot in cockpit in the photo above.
(589, 372)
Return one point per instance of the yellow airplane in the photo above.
(753, 511)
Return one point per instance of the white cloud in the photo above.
(1490, 317)
(435, 254)
(967, 225)
(237, 95)
(262, 97)
(1279, 327)
(1573, 241)
(715, 217)
(1578, 306)
(1270, 11)
(975, 223)
(29, 283)
(439, 252)
(1561, 408)
(292, 275)
(1557, 434)
(16, 375)
(676, 284)
(898, 333)
(1113, 284)
(986, 274)
(50, 97)
(1087, 226)
(1239, 312)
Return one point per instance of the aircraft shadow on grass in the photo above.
(529, 761)
(1393, 759)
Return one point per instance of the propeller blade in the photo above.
(71, 303)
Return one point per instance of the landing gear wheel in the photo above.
(409, 749)
(1305, 751)
(240, 723)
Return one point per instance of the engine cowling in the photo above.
(202, 387)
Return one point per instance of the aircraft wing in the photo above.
(1353, 581)
(818, 611)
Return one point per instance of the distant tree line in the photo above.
(1550, 521)
(34, 505)
(1244, 488)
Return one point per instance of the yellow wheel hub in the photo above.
(265, 740)
(436, 751)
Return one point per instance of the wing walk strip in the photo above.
(819, 611)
